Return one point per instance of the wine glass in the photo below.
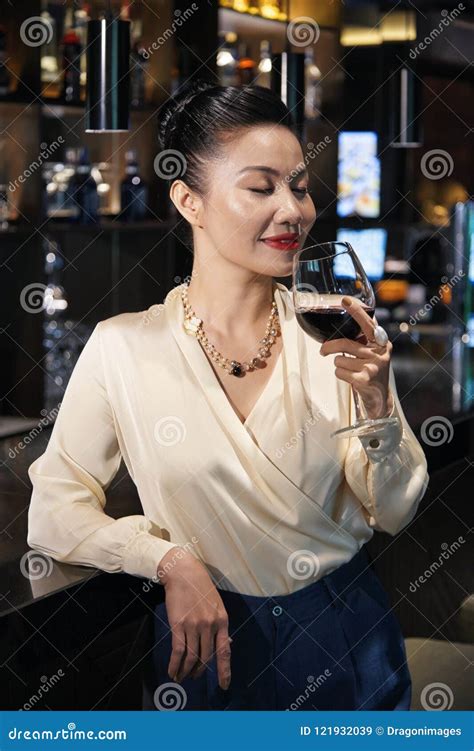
(322, 275)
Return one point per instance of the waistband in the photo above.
(344, 577)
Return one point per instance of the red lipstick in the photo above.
(285, 241)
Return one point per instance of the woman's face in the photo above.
(245, 204)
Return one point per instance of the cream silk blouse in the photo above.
(268, 505)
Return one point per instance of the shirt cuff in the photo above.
(143, 554)
(386, 440)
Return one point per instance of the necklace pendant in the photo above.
(192, 325)
(236, 369)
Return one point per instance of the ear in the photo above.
(187, 202)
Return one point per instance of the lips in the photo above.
(286, 241)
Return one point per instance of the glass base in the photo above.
(365, 427)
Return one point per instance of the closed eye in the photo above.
(268, 191)
(301, 191)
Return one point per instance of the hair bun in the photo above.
(172, 108)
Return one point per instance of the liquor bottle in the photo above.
(139, 62)
(227, 59)
(72, 67)
(138, 74)
(81, 18)
(82, 190)
(246, 67)
(133, 191)
(49, 56)
(264, 75)
(312, 74)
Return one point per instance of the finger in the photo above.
(357, 311)
(192, 654)
(223, 654)
(356, 365)
(178, 644)
(355, 379)
(206, 647)
(332, 346)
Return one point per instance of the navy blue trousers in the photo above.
(334, 644)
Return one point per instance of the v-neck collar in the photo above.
(268, 477)
(204, 371)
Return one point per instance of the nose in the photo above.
(289, 208)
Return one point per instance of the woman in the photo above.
(254, 519)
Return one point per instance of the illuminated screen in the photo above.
(470, 239)
(358, 175)
(470, 330)
(370, 246)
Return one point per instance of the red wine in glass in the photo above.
(330, 320)
(322, 275)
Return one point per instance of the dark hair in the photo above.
(202, 118)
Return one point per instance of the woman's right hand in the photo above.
(197, 618)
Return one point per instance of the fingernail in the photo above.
(346, 301)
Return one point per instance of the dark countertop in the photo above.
(22, 582)
(434, 374)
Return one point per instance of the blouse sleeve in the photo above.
(390, 476)
(66, 518)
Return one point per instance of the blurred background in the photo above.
(381, 94)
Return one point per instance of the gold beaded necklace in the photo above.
(194, 327)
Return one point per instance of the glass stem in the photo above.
(360, 415)
(357, 405)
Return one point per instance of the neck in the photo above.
(231, 307)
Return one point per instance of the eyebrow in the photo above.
(270, 170)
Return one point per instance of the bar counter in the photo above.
(108, 614)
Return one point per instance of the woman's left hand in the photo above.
(368, 370)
